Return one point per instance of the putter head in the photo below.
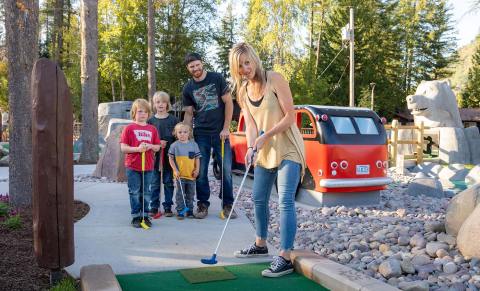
(144, 225)
(210, 261)
(184, 211)
(222, 215)
(157, 216)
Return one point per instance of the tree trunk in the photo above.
(319, 39)
(113, 88)
(58, 32)
(21, 23)
(151, 51)
(89, 80)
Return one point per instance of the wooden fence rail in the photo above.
(394, 141)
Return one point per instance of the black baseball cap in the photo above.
(190, 57)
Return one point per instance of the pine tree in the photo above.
(471, 94)
(225, 39)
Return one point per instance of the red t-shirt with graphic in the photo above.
(133, 135)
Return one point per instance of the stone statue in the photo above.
(435, 104)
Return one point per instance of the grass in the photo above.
(4, 209)
(13, 222)
(67, 284)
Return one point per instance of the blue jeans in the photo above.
(168, 188)
(136, 185)
(206, 143)
(288, 177)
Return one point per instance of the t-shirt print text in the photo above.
(143, 135)
(206, 97)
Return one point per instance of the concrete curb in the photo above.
(334, 276)
(98, 278)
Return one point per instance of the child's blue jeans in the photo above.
(288, 177)
(138, 185)
(188, 187)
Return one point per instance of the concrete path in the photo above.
(105, 235)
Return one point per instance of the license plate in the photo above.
(363, 169)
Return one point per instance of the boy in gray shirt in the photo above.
(184, 158)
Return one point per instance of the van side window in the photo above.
(343, 125)
(306, 124)
(366, 125)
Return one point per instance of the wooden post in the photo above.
(394, 141)
(420, 144)
(52, 167)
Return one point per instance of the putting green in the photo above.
(248, 278)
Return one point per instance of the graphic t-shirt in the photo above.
(165, 128)
(184, 155)
(133, 135)
(206, 98)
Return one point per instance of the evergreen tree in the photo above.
(471, 94)
(225, 39)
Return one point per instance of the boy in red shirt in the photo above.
(137, 138)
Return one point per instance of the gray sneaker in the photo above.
(226, 212)
(202, 211)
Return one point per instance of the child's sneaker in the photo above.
(153, 212)
(136, 222)
(147, 221)
(168, 212)
(180, 216)
(252, 251)
(279, 267)
(190, 214)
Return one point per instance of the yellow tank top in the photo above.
(287, 145)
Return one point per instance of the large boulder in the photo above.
(453, 147)
(425, 186)
(109, 110)
(111, 162)
(116, 122)
(460, 207)
(468, 239)
(473, 176)
(472, 135)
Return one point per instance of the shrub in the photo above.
(67, 284)
(3, 209)
(13, 222)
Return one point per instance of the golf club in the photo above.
(143, 224)
(222, 213)
(159, 214)
(185, 208)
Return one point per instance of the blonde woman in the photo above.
(276, 148)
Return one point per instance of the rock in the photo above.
(418, 241)
(109, 110)
(383, 248)
(425, 186)
(111, 162)
(414, 286)
(457, 287)
(472, 135)
(390, 268)
(453, 172)
(407, 266)
(450, 268)
(468, 239)
(420, 260)
(433, 247)
(453, 146)
(441, 253)
(421, 175)
(446, 238)
(401, 212)
(434, 226)
(403, 240)
(473, 177)
(460, 207)
(327, 211)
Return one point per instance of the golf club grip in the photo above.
(143, 161)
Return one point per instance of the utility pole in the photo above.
(352, 61)
(371, 99)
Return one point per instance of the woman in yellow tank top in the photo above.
(276, 148)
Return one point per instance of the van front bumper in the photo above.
(355, 182)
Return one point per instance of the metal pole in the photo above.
(371, 99)
(352, 61)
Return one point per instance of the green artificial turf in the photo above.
(248, 277)
(208, 274)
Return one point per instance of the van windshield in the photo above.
(343, 125)
(366, 125)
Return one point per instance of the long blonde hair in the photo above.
(247, 50)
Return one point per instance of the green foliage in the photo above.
(471, 94)
(13, 222)
(67, 284)
(3, 209)
(225, 39)
(3, 86)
